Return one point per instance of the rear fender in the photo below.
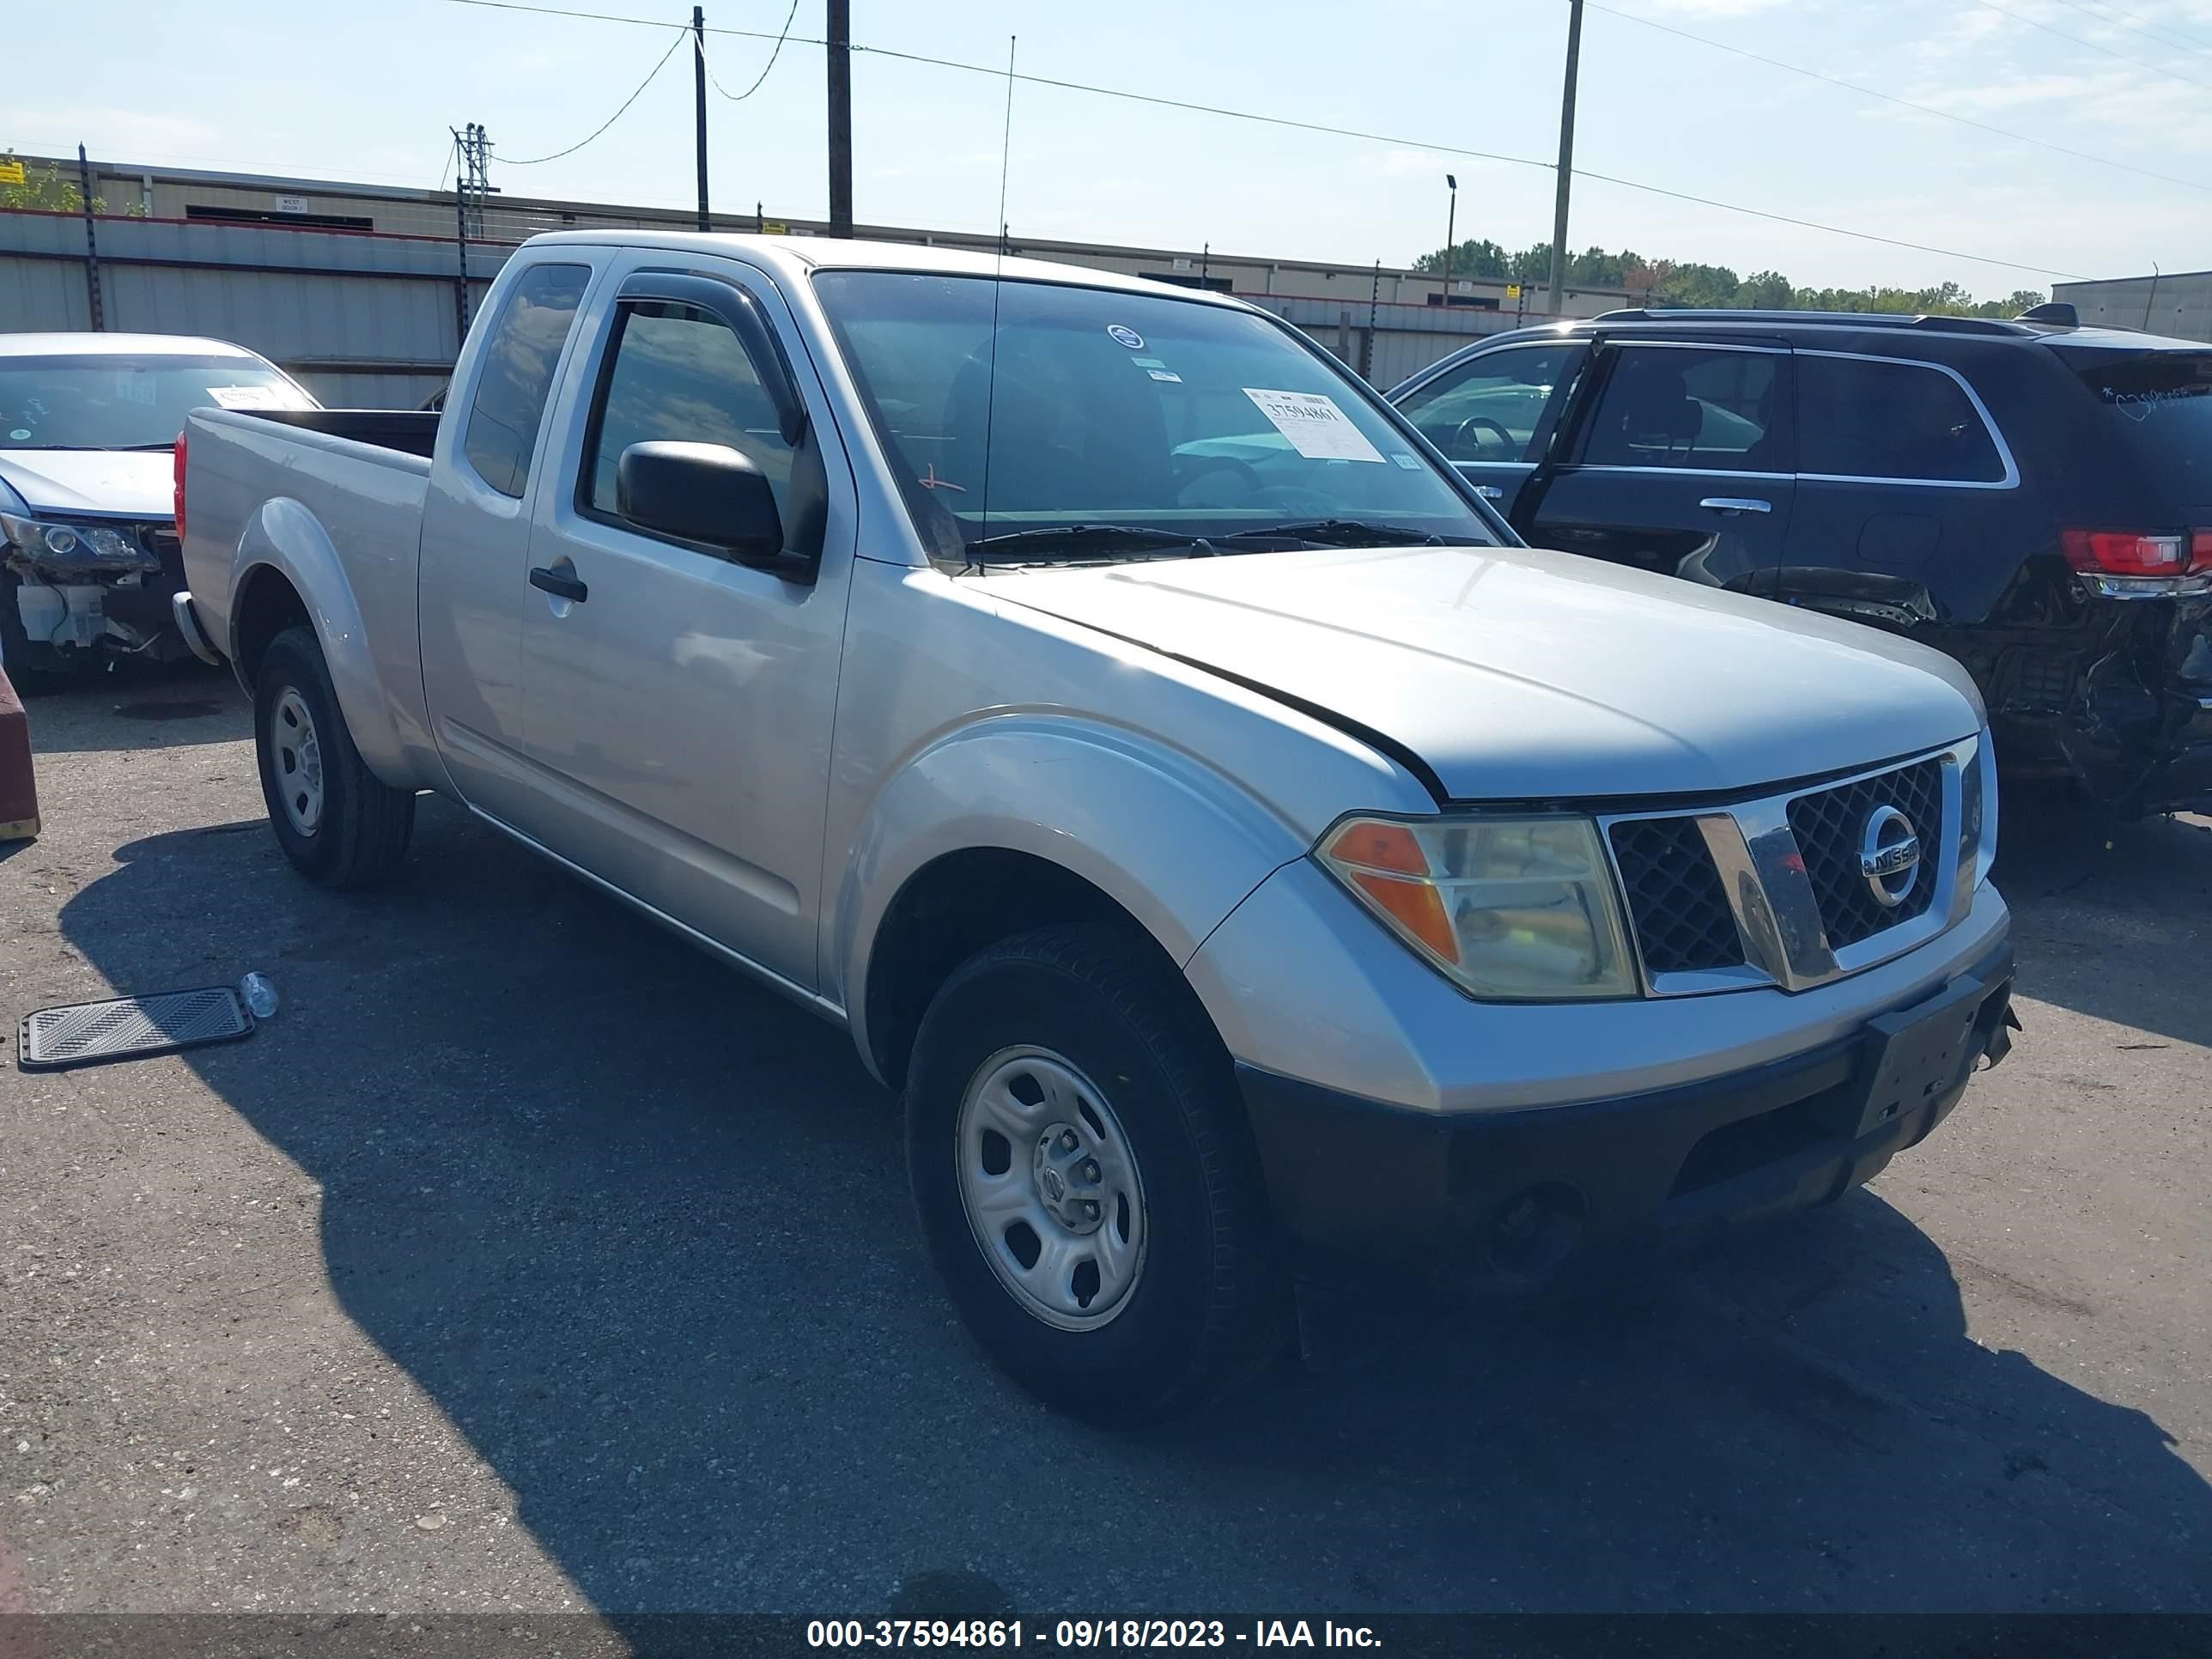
(283, 539)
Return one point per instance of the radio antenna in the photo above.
(991, 393)
(1007, 144)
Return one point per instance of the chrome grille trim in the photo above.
(1778, 913)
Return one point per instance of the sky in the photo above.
(321, 89)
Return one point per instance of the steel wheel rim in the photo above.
(298, 762)
(1039, 1152)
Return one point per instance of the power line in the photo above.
(781, 36)
(1449, 150)
(1156, 100)
(2017, 18)
(537, 160)
(1892, 98)
(2112, 14)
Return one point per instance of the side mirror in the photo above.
(705, 493)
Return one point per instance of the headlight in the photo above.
(1521, 909)
(75, 546)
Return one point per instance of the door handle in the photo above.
(561, 587)
(1731, 505)
(1490, 492)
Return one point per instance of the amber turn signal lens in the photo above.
(1415, 906)
(1371, 844)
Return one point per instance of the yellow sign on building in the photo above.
(11, 173)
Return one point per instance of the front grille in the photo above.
(1675, 898)
(1829, 825)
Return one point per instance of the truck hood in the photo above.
(133, 484)
(1515, 674)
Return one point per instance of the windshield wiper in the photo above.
(100, 449)
(1132, 536)
(1338, 532)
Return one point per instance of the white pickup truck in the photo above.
(1239, 850)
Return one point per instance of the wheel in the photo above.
(1086, 1182)
(339, 823)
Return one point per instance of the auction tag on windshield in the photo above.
(252, 397)
(1316, 428)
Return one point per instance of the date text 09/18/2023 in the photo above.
(1083, 1633)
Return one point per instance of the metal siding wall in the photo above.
(338, 390)
(1399, 355)
(39, 294)
(2180, 305)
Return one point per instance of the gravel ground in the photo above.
(529, 1261)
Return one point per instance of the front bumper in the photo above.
(1507, 1199)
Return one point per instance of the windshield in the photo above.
(107, 401)
(1100, 426)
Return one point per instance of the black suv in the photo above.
(2033, 497)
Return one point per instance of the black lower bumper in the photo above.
(1508, 1199)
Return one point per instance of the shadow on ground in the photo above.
(640, 1230)
(135, 705)
(2102, 911)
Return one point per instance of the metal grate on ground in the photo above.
(130, 1028)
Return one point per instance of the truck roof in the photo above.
(118, 345)
(798, 255)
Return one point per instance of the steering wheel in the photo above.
(1460, 436)
(1195, 467)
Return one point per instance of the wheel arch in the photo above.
(1020, 821)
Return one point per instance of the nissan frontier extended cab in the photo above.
(1242, 854)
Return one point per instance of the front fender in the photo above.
(282, 537)
(1173, 842)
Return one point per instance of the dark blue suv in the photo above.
(2033, 497)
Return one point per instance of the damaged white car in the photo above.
(88, 555)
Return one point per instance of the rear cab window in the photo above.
(508, 407)
(1888, 419)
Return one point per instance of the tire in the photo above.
(1092, 1017)
(352, 830)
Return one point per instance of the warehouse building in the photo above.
(2179, 305)
(360, 288)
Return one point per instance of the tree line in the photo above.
(1687, 283)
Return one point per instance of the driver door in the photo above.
(1491, 414)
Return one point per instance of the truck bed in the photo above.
(304, 491)
(410, 431)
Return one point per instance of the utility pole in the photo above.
(1451, 229)
(472, 184)
(1374, 299)
(461, 238)
(1566, 159)
(92, 244)
(699, 100)
(840, 117)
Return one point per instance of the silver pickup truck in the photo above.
(1242, 854)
